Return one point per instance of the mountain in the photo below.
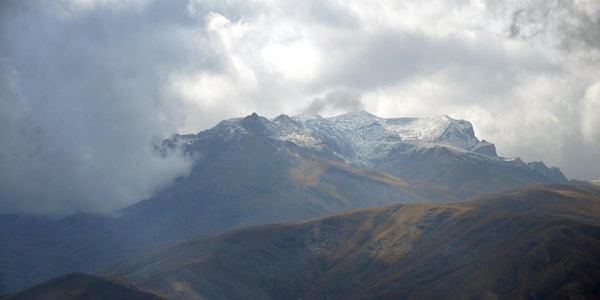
(83, 287)
(535, 243)
(253, 170)
(435, 149)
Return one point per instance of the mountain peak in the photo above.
(253, 115)
(255, 124)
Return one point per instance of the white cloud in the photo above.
(296, 60)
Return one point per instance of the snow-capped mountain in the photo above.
(357, 137)
(433, 149)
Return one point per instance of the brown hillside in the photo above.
(476, 250)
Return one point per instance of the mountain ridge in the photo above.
(360, 130)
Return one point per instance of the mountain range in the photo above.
(254, 171)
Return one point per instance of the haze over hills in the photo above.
(534, 243)
(251, 171)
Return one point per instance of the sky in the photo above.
(88, 87)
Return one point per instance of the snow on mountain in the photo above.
(434, 149)
(361, 138)
(356, 136)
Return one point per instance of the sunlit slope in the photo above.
(410, 251)
(572, 201)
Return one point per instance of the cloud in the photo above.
(88, 86)
(335, 102)
(569, 24)
(514, 29)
